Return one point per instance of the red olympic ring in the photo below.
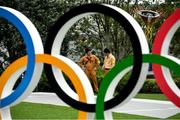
(162, 38)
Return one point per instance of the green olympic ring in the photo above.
(121, 65)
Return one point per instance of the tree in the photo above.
(102, 31)
(42, 13)
(96, 31)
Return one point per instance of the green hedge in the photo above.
(43, 85)
(177, 81)
(150, 85)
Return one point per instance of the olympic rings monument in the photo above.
(84, 100)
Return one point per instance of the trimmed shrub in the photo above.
(150, 86)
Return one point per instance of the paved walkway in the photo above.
(144, 107)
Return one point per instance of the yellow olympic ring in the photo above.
(48, 59)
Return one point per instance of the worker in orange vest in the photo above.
(109, 61)
(90, 63)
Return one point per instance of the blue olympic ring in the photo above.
(31, 57)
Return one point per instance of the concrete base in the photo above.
(143, 107)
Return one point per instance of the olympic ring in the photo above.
(171, 25)
(132, 28)
(123, 64)
(36, 75)
(140, 60)
(59, 62)
(161, 43)
(34, 46)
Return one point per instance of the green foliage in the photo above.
(43, 14)
(43, 85)
(177, 81)
(150, 86)
(122, 83)
(101, 31)
(100, 75)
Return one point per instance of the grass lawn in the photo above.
(151, 96)
(42, 111)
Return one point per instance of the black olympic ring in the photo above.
(136, 51)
